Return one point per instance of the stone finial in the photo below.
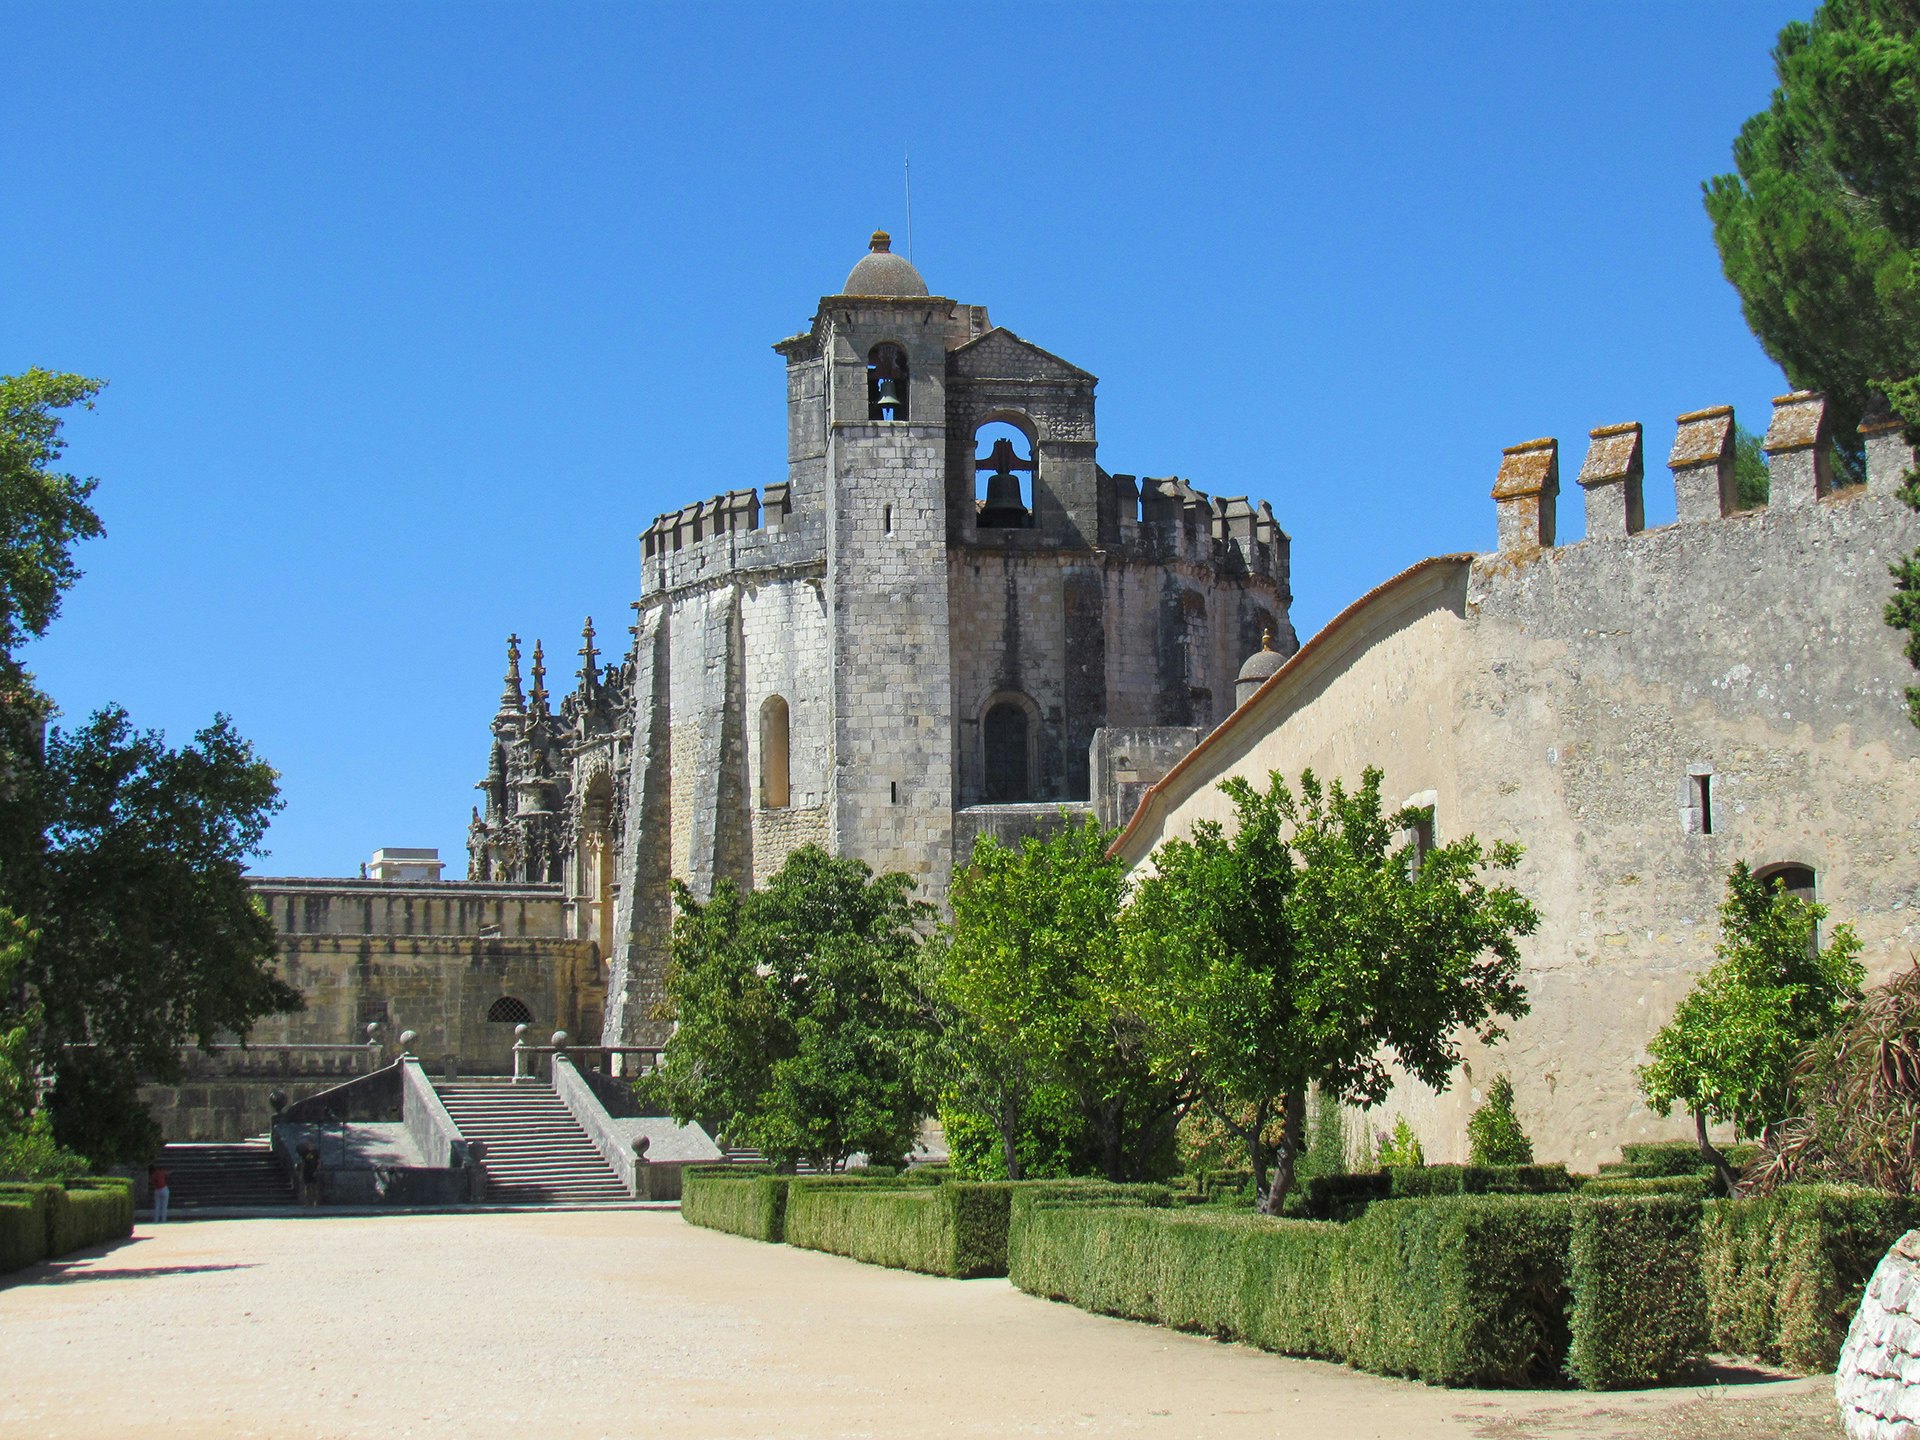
(1611, 476)
(1797, 448)
(881, 243)
(1889, 456)
(510, 697)
(1524, 493)
(559, 1039)
(641, 1144)
(1702, 465)
(407, 1037)
(589, 656)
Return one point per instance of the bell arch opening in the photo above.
(1003, 467)
(888, 382)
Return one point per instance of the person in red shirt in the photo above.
(157, 1182)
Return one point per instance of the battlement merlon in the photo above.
(1167, 518)
(1798, 446)
(736, 532)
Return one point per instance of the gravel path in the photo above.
(546, 1326)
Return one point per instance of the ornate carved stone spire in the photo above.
(537, 697)
(589, 657)
(510, 697)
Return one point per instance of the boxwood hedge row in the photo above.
(45, 1221)
(1784, 1272)
(1456, 1290)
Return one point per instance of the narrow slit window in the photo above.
(775, 774)
(886, 517)
(1703, 801)
(893, 792)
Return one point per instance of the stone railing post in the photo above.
(520, 1052)
(1611, 476)
(1702, 465)
(1797, 446)
(1524, 494)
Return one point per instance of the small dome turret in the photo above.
(881, 272)
(1262, 663)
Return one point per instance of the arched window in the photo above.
(1004, 738)
(509, 1011)
(776, 776)
(887, 382)
(1003, 463)
(1798, 881)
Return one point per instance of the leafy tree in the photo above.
(802, 1030)
(1309, 944)
(1494, 1136)
(1819, 230)
(1730, 1050)
(126, 856)
(1023, 976)
(28, 1150)
(1751, 478)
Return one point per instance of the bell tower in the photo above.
(867, 424)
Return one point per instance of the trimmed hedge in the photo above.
(23, 1230)
(1415, 1181)
(1678, 1157)
(1340, 1197)
(753, 1205)
(1241, 1277)
(1695, 1186)
(1461, 1290)
(959, 1229)
(1639, 1303)
(1454, 1290)
(40, 1221)
(1784, 1272)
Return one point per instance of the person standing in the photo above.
(157, 1183)
(309, 1174)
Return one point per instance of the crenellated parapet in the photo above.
(1167, 519)
(1799, 452)
(737, 532)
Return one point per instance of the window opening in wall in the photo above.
(509, 1011)
(1004, 740)
(893, 792)
(776, 789)
(1423, 842)
(1703, 802)
(887, 382)
(1002, 455)
(886, 518)
(1799, 882)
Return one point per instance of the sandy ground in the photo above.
(626, 1323)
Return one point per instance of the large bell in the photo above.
(886, 399)
(1004, 509)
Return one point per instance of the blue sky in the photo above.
(415, 315)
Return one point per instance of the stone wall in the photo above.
(1571, 699)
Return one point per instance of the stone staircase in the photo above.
(237, 1174)
(536, 1152)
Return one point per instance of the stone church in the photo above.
(947, 617)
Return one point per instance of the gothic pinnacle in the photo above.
(510, 697)
(588, 655)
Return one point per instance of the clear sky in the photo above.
(415, 315)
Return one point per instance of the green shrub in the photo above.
(1341, 1197)
(1696, 1186)
(751, 1205)
(1411, 1182)
(1678, 1157)
(1467, 1290)
(1401, 1148)
(23, 1231)
(1639, 1306)
(1784, 1272)
(85, 1211)
(117, 1225)
(1494, 1136)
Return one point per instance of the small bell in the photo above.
(887, 400)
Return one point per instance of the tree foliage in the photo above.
(1494, 1132)
(1311, 947)
(801, 1027)
(1033, 1039)
(1819, 230)
(125, 856)
(1730, 1051)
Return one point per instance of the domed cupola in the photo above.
(1262, 663)
(883, 273)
